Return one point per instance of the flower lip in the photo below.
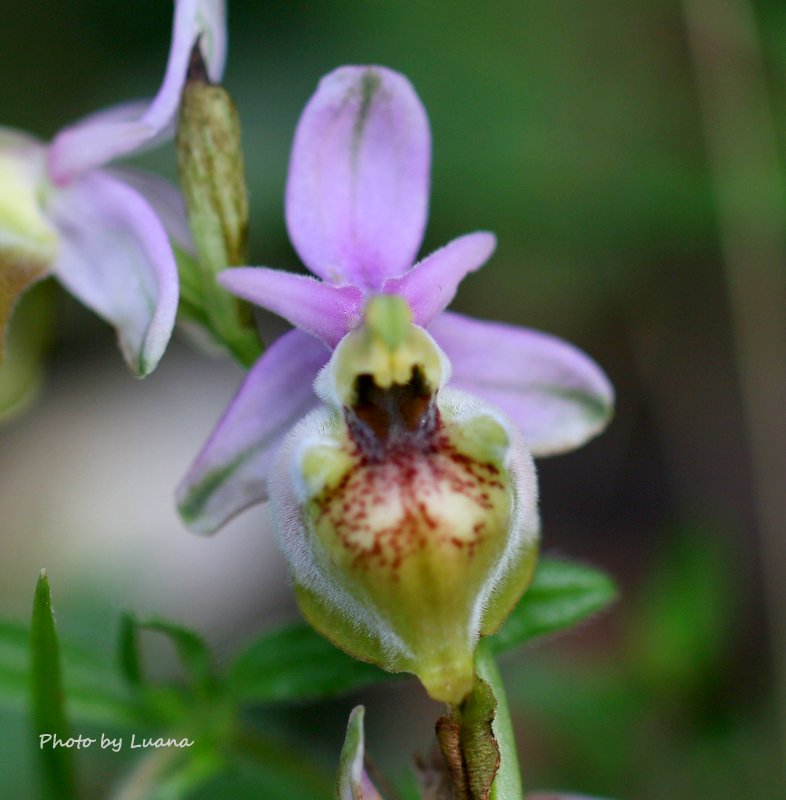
(404, 561)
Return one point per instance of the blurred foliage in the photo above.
(648, 718)
(655, 716)
(229, 753)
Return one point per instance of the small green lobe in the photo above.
(388, 318)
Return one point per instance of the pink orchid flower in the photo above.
(356, 209)
(103, 233)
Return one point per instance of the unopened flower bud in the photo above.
(212, 177)
(407, 511)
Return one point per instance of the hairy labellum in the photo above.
(407, 511)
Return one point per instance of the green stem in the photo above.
(507, 784)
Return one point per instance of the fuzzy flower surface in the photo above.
(104, 233)
(356, 210)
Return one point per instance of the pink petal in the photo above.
(99, 138)
(230, 472)
(357, 195)
(431, 284)
(166, 201)
(322, 310)
(556, 394)
(115, 257)
(121, 131)
(194, 19)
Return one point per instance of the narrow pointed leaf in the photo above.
(91, 685)
(48, 698)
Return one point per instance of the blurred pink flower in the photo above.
(103, 233)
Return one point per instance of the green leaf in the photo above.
(296, 663)
(128, 650)
(192, 650)
(561, 595)
(48, 699)
(93, 691)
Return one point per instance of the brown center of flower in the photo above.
(383, 421)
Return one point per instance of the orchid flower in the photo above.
(356, 208)
(103, 233)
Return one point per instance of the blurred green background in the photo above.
(574, 131)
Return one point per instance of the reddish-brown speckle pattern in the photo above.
(384, 511)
